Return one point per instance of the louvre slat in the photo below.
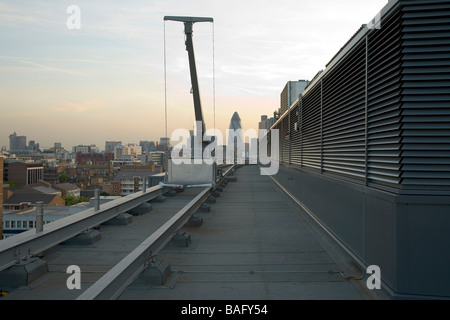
(424, 126)
(421, 35)
(380, 161)
(421, 84)
(415, 22)
(429, 5)
(432, 49)
(420, 133)
(423, 161)
(424, 56)
(427, 14)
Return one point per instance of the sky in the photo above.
(117, 76)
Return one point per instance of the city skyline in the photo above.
(105, 81)
(31, 145)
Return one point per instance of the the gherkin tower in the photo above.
(235, 138)
(235, 123)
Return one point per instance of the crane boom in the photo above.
(188, 24)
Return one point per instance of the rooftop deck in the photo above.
(254, 243)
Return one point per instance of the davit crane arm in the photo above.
(188, 26)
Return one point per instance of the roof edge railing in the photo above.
(30, 243)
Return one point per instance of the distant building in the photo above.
(235, 122)
(115, 187)
(158, 158)
(33, 146)
(162, 147)
(23, 173)
(94, 158)
(290, 93)
(125, 161)
(24, 219)
(52, 171)
(57, 146)
(47, 190)
(152, 146)
(110, 146)
(128, 182)
(145, 158)
(263, 123)
(266, 123)
(82, 149)
(164, 141)
(235, 138)
(17, 143)
(18, 199)
(94, 148)
(148, 146)
(67, 189)
(127, 151)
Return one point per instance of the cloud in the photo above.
(40, 66)
(80, 107)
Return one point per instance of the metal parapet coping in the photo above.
(180, 186)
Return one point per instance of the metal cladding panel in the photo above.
(343, 91)
(384, 103)
(311, 129)
(426, 94)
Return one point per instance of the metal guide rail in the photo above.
(116, 280)
(32, 242)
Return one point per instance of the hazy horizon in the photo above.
(105, 81)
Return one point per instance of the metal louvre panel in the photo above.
(296, 137)
(426, 94)
(284, 140)
(283, 146)
(381, 115)
(384, 103)
(311, 129)
(344, 116)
